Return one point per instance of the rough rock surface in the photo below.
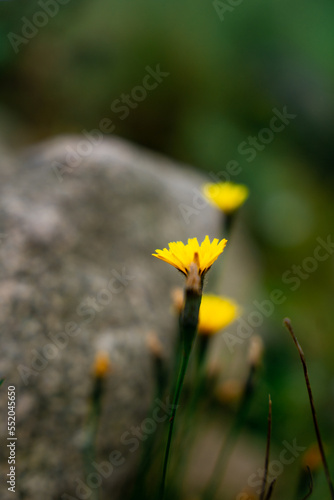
(78, 224)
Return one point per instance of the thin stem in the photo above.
(179, 384)
(270, 489)
(266, 462)
(310, 485)
(192, 413)
(288, 325)
(228, 223)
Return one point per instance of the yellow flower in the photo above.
(229, 391)
(312, 458)
(227, 196)
(216, 313)
(182, 256)
(101, 364)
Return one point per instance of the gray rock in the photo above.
(78, 225)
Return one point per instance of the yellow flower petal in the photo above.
(181, 256)
(101, 364)
(227, 196)
(216, 313)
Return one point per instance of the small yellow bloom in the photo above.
(178, 299)
(229, 391)
(246, 494)
(154, 345)
(101, 364)
(312, 458)
(227, 196)
(216, 313)
(182, 256)
(255, 351)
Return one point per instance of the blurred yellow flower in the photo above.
(246, 494)
(101, 364)
(229, 391)
(255, 351)
(312, 458)
(227, 196)
(154, 345)
(182, 256)
(177, 296)
(216, 313)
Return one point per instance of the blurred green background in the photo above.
(230, 65)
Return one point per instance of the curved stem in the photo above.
(310, 484)
(266, 462)
(288, 325)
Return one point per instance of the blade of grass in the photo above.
(287, 324)
(270, 489)
(266, 462)
(310, 485)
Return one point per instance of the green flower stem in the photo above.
(190, 419)
(198, 389)
(203, 345)
(228, 223)
(179, 385)
(188, 329)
